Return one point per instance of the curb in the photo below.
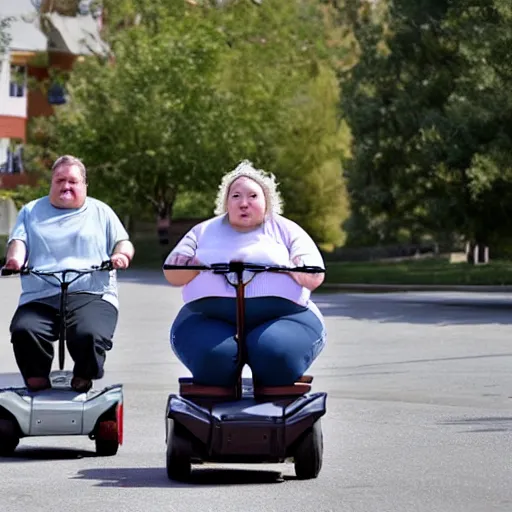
(373, 288)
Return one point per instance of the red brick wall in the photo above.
(62, 60)
(37, 100)
(11, 181)
(37, 104)
(12, 127)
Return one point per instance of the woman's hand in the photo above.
(309, 281)
(182, 260)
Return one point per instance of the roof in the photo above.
(78, 35)
(24, 29)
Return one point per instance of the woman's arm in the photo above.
(183, 254)
(303, 251)
(180, 277)
(309, 281)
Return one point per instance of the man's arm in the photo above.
(122, 254)
(16, 255)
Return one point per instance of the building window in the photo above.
(11, 158)
(17, 84)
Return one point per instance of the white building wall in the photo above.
(11, 106)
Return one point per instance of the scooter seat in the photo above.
(188, 388)
(296, 389)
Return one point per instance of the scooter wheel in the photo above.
(309, 453)
(107, 438)
(179, 453)
(9, 437)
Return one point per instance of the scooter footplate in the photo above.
(247, 427)
(55, 412)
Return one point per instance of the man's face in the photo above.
(68, 188)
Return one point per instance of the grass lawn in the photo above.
(432, 271)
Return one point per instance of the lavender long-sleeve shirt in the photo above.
(276, 242)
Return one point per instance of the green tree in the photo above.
(151, 123)
(192, 91)
(427, 104)
(5, 37)
(314, 141)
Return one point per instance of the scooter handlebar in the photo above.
(240, 266)
(105, 265)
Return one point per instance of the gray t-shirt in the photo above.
(59, 239)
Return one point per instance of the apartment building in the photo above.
(44, 36)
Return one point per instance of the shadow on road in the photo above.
(157, 477)
(35, 454)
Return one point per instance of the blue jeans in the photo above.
(282, 340)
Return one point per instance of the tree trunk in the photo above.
(163, 223)
(477, 252)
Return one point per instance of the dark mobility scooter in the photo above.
(248, 423)
(60, 411)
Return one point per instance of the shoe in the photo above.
(38, 383)
(81, 385)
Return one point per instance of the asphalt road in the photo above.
(419, 415)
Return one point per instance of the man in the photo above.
(64, 230)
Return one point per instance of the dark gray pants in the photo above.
(90, 323)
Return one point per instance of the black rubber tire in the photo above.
(107, 438)
(308, 455)
(9, 437)
(179, 453)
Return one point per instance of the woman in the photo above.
(284, 330)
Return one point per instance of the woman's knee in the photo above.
(281, 352)
(206, 347)
(214, 368)
(276, 366)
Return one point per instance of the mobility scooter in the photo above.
(248, 423)
(59, 410)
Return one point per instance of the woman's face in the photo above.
(246, 204)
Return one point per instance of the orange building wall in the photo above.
(13, 128)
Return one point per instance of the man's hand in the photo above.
(13, 264)
(120, 260)
(122, 255)
(16, 255)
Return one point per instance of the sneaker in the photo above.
(81, 385)
(38, 383)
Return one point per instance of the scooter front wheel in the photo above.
(308, 455)
(9, 437)
(179, 453)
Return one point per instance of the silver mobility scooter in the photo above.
(248, 423)
(60, 411)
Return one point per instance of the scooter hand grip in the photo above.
(8, 271)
